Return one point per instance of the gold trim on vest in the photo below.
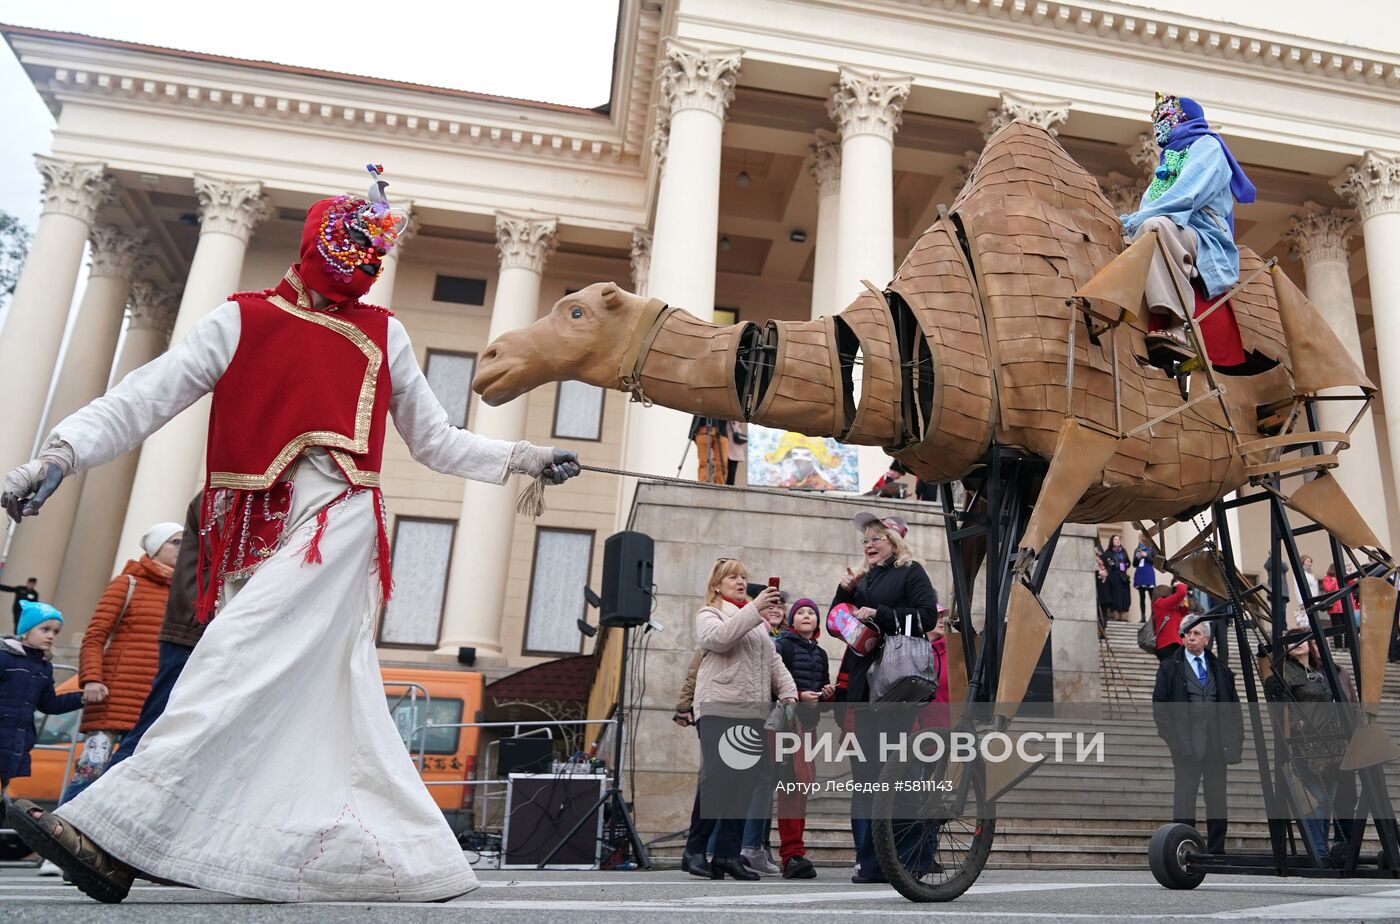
(364, 411)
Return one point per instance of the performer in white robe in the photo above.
(276, 771)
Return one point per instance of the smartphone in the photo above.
(773, 583)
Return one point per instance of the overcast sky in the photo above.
(559, 51)
(554, 50)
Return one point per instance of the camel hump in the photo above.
(1024, 161)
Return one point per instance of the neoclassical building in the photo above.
(756, 159)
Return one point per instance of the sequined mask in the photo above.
(1166, 115)
(355, 233)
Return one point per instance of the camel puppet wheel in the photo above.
(932, 828)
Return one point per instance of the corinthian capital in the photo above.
(153, 306)
(824, 163)
(1048, 114)
(1145, 154)
(232, 207)
(75, 189)
(116, 253)
(866, 103)
(1319, 233)
(524, 241)
(641, 259)
(693, 77)
(1125, 192)
(1373, 186)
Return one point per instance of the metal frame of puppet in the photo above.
(1011, 352)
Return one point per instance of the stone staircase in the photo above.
(1058, 819)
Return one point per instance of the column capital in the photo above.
(1373, 185)
(1124, 192)
(1145, 154)
(76, 189)
(661, 141)
(1048, 114)
(525, 241)
(116, 253)
(153, 306)
(868, 103)
(969, 163)
(1320, 233)
(824, 163)
(696, 77)
(232, 207)
(641, 259)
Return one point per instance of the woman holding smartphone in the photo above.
(740, 675)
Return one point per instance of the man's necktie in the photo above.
(1200, 669)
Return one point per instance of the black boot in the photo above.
(696, 865)
(733, 867)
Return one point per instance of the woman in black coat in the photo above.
(1115, 558)
(893, 593)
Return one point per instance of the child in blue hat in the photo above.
(26, 684)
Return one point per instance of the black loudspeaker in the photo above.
(541, 809)
(627, 580)
(529, 754)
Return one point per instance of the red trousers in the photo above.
(792, 806)
(1220, 331)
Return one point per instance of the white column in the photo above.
(866, 107)
(476, 591)
(1373, 186)
(172, 459)
(382, 292)
(96, 531)
(73, 194)
(696, 87)
(824, 164)
(38, 544)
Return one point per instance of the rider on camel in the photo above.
(1190, 203)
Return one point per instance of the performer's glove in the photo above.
(27, 487)
(556, 465)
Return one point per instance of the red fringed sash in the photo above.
(239, 530)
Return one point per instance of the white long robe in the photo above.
(276, 771)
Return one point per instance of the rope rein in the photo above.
(531, 499)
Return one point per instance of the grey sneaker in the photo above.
(759, 861)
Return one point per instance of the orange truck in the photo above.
(416, 697)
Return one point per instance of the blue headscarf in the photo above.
(1195, 126)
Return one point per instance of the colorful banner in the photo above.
(784, 459)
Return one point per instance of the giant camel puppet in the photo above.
(1009, 352)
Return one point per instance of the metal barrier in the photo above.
(411, 690)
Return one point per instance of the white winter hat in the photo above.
(159, 535)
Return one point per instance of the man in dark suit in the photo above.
(1192, 706)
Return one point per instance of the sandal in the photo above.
(89, 867)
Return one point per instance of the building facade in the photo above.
(757, 159)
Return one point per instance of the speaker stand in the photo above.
(612, 797)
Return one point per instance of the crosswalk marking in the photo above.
(1366, 905)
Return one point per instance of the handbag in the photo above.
(905, 671)
(781, 718)
(1147, 635)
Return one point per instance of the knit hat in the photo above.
(804, 601)
(158, 536)
(31, 613)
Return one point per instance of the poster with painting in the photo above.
(784, 459)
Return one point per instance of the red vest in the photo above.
(300, 378)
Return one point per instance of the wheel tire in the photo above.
(1169, 856)
(978, 828)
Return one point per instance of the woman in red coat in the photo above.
(120, 652)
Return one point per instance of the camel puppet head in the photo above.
(586, 336)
